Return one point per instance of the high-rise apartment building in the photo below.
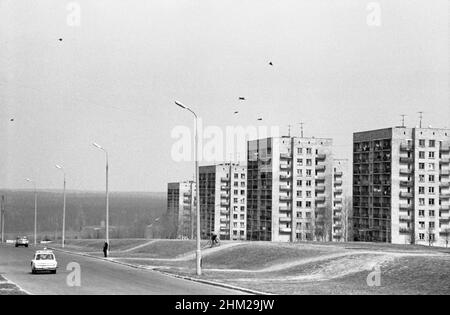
(290, 190)
(181, 208)
(223, 195)
(342, 185)
(401, 185)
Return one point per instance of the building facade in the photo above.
(401, 185)
(181, 209)
(290, 194)
(223, 201)
(342, 201)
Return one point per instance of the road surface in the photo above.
(97, 277)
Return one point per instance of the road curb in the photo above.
(214, 283)
(15, 284)
(147, 268)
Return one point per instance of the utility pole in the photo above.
(2, 217)
(420, 119)
(403, 119)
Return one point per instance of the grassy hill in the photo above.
(131, 211)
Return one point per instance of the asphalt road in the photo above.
(97, 277)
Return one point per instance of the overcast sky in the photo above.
(113, 79)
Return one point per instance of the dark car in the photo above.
(22, 241)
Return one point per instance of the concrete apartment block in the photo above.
(181, 208)
(342, 187)
(401, 185)
(290, 189)
(223, 194)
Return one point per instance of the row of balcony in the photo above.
(285, 156)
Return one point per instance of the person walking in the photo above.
(105, 249)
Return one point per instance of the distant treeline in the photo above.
(131, 212)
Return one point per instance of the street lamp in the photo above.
(64, 206)
(198, 252)
(107, 192)
(35, 209)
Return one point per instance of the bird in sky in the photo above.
(12, 119)
(259, 118)
(270, 63)
(241, 98)
(60, 39)
(236, 112)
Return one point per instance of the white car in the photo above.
(44, 260)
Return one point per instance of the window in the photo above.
(431, 201)
(299, 215)
(422, 201)
(308, 204)
(236, 176)
(422, 178)
(421, 236)
(299, 193)
(299, 183)
(431, 225)
(431, 178)
(308, 172)
(431, 213)
(300, 162)
(431, 155)
(299, 204)
(421, 166)
(421, 154)
(308, 183)
(422, 224)
(421, 142)
(421, 213)
(432, 143)
(421, 190)
(308, 151)
(308, 194)
(431, 166)
(431, 190)
(299, 151)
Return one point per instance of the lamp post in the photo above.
(64, 206)
(198, 252)
(107, 192)
(35, 210)
(2, 217)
